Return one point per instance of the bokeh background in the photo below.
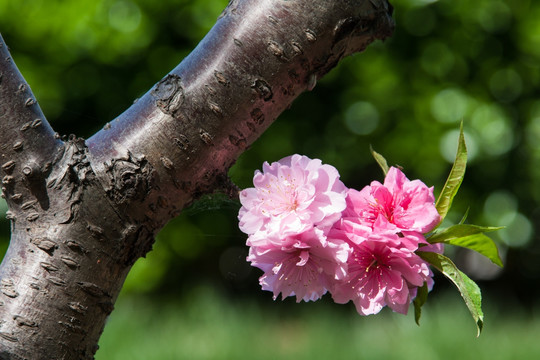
(194, 296)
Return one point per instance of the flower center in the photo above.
(374, 263)
(282, 195)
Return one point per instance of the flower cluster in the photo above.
(287, 216)
(310, 235)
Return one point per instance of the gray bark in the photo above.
(83, 211)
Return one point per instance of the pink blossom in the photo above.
(304, 265)
(291, 196)
(382, 270)
(404, 205)
(310, 235)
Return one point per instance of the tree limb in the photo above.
(197, 120)
(26, 137)
(88, 210)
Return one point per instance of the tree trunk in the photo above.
(83, 211)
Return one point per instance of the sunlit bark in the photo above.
(83, 211)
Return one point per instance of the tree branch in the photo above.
(81, 215)
(196, 121)
(26, 137)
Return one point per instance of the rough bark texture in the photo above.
(82, 212)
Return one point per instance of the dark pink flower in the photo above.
(291, 196)
(401, 204)
(382, 270)
(304, 265)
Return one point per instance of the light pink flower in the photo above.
(291, 196)
(382, 270)
(304, 265)
(404, 205)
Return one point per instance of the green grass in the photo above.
(208, 326)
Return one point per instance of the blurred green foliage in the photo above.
(448, 60)
(206, 326)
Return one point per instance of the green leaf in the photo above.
(419, 301)
(470, 237)
(455, 177)
(470, 292)
(380, 160)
